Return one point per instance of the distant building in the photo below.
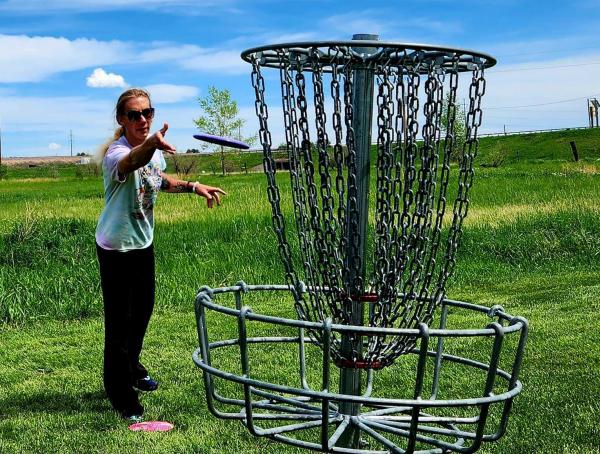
(280, 164)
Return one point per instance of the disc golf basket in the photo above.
(366, 258)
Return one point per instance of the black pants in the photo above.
(128, 286)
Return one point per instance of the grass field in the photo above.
(531, 243)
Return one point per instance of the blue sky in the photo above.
(64, 63)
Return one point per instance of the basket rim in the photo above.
(357, 44)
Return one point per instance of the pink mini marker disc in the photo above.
(151, 426)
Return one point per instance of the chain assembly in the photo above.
(398, 270)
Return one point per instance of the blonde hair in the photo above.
(120, 110)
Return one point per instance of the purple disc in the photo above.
(226, 141)
(151, 426)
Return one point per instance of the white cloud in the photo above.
(91, 121)
(361, 21)
(543, 82)
(54, 146)
(513, 52)
(181, 6)
(32, 122)
(102, 79)
(379, 22)
(270, 37)
(168, 52)
(228, 62)
(196, 58)
(35, 58)
(32, 59)
(167, 93)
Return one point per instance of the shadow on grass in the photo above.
(53, 402)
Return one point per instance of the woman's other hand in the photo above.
(210, 193)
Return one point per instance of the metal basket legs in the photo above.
(453, 394)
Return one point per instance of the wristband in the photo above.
(194, 184)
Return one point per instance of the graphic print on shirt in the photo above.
(150, 179)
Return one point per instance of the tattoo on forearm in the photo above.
(173, 185)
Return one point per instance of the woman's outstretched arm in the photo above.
(175, 185)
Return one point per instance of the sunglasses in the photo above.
(136, 115)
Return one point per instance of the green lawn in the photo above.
(531, 243)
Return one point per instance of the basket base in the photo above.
(477, 395)
(380, 429)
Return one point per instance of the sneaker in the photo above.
(146, 384)
(133, 418)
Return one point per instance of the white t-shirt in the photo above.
(127, 221)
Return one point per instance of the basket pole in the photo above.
(350, 378)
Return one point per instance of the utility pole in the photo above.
(71, 137)
(593, 107)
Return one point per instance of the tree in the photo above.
(460, 128)
(182, 165)
(221, 118)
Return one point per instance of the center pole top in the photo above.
(364, 37)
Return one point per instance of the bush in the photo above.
(53, 172)
(79, 171)
(34, 241)
(495, 158)
(94, 168)
(183, 166)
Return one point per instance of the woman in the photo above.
(133, 166)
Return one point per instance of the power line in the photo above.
(542, 104)
(548, 111)
(553, 51)
(541, 67)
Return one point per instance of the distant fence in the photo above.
(533, 131)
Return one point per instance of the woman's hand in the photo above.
(157, 140)
(210, 193)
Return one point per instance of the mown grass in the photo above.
(531, 243)
(540, 147)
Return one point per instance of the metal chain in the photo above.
(330, 263)
(273, 193)
(382, 281)
(465, 178)
(405, 243)
(351, 221)
(427, 316)
(409, 267)
(296, 171)
(428, 178)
